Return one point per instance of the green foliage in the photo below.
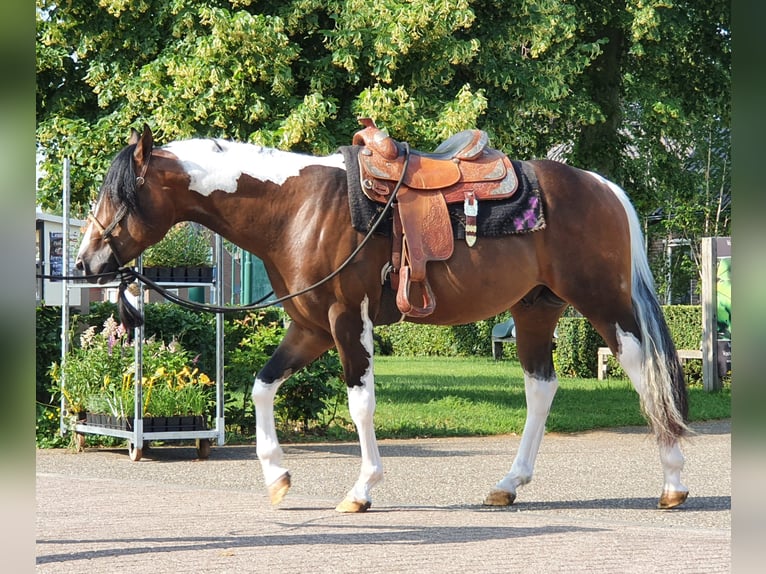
(310, 393)
(184, 245)
(194, 331)
(254, 336)
(409, 339)
(48, 427)
(578, 342)
(576, 348)
(48, 347)
(685, 324)
(99, 374)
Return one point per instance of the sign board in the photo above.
(716, 310)
(49, 257)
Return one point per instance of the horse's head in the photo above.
(129, 214)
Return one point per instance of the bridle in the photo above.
(106, 232)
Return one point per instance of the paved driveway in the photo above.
(590, 509)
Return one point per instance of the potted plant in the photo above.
(184, 255)
(99, 378)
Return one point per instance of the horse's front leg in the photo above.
(352, 329)
(297, 349)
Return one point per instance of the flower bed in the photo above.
(99, 378)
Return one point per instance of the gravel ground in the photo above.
(590, 508)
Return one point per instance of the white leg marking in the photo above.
(266, 442)
(671, 457)
(629, 357)
(361, 405)
(539, 395)
(672, 464)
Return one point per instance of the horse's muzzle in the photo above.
(99, 276)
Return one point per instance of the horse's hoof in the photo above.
(279, 488)
(671, 499)
(497, 497)
(351, 505)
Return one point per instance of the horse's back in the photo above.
(583, 248)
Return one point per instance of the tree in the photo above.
(635, 89)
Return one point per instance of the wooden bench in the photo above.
(604, 352)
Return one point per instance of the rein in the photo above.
(134, 319)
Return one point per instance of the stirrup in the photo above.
(403, 296)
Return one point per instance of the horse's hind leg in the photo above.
(297, 349)
(629, 354)
(648, 356)
(535, 317)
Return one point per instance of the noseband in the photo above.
(106, 232)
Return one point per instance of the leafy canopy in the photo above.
(637, 89)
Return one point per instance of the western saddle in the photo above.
(461, 169)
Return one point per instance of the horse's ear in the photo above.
(134, 136)
(144, 145)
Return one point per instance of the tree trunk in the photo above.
(598, 145)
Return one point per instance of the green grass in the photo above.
(440, 397)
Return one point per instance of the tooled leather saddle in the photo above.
(462, 169)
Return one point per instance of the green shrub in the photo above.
(48, 348)
(578, 343)
(254, 336)
(410, 340)
(685, 324)
(414, 340)
(576, 348)
(310, 393)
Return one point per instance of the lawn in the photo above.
(439, 397)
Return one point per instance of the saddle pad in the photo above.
(521, 213)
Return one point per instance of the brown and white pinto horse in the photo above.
(292, 211)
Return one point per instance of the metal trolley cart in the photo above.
(136, 434)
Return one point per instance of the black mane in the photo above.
(120, 181)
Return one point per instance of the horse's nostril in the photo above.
(79, 264)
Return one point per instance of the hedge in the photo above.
(413, 340)
(578, 342)
(576, 346)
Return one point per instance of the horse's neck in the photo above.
(267, 219)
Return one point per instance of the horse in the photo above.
(292, 211)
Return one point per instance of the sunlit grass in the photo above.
(438, 397)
